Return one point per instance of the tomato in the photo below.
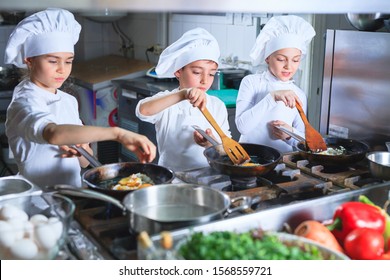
(364, 244)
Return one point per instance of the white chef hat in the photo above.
(281, 32)
(195, 44)
(49, 31)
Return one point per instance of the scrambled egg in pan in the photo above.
(133, 182)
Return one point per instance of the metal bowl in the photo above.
(34, 226)
(366, 22)
(14, 186)
(379, 164)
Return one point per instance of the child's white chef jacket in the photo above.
(174, 132)
(255, 108)
(31, 109)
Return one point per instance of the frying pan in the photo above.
(266, 157)
(355, 151)
(102, 177)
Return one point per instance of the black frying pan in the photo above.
(355, 151)
(103, 177)
(266, 157)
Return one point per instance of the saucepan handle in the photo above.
(205, 135)
(292, 134)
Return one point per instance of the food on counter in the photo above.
(253, 245)
(318, 232)
(364, 244)
(353, 215)
(386, 234)
(23, 237)
(133, 182)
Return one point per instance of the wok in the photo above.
(266, 157)
(168, 206)
(102, 177)
(355, 151)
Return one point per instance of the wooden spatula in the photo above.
(233, 149)
(314, 140)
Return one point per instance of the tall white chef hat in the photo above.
(281, 32)
(49, 31)
(195, 44)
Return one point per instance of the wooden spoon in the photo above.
(314, 140)
(233, 149)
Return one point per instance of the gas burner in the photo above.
(242, 183)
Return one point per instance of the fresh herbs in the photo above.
(226, 245)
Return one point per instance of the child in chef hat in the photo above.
(42, 120)
(193, 60)
(267, 100)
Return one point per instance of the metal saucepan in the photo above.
(266, 157)
(379, 163)
(102, 177)
(167, 207)
(355, 151)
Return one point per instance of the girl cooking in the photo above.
(267, 100)
(193, 60)
(42, 121)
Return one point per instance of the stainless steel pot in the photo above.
(379, 164)
(168, 207)
(13, 186)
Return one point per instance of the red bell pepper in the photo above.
(353, 215)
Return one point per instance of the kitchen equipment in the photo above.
(292, 134)
(355, 151)
(9, 78)
(367, 22)
(355, 93)
(379, 164)
(264, 158)
(233, 149)
(314, 140)
(12, 186)
(49, 216)
(103, 177)
(166, 207)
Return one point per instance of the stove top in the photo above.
(103, 230)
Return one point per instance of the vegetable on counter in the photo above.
(386, 234)
(364, 244)
(354, 215)
(253, 245)
(318, 232)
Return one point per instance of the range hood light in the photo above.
(105, 15)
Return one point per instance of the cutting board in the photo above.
(103, 69)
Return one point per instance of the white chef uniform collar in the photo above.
(195, 44)
(281, 32)
(49, 31)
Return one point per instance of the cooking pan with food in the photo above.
(263, 160)
(353, 151)
(104, 178)
(167, 206)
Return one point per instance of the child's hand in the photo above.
(201, 141)
(277, 132)
(139, 144)
(289, 97)
(68, 152)
(197, 97)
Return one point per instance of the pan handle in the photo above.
(292, 134)
(205, 135)
(244, 205)
(69, 190)
(92, 160)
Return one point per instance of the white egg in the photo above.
(45, 236)
(38, 219)
(24, 249)
(18, 227)
(7, 236)
(8, 212)
(28, 229)
(56, 225)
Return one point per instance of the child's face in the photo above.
(50, 71)
(284, 63)
(199, 74)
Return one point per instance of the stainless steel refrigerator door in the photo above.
(356, 87)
